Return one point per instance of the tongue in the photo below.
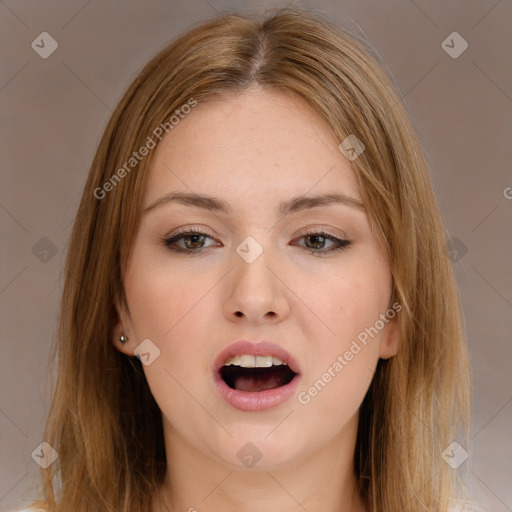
(253, 383)
(256, 379)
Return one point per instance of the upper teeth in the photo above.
(248, 361)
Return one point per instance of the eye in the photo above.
(316, 241)
(192, 239)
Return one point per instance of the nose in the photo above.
(255, 292)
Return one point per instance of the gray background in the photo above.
(55, 109)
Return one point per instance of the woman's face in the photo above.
(259, 269)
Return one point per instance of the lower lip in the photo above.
(256, 400)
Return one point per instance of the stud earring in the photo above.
(123, 339)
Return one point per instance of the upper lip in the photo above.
(261, 348)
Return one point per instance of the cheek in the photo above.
(343, 364)
(166, 307)
(159, 298)
(171, 309)
(345, 359)
(354, 301)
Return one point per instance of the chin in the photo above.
(253, 448)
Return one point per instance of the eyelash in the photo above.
(340, 243)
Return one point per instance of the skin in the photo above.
(254, 150)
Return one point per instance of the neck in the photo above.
(321, 480)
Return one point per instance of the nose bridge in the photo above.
(251, 266)
(255, 291)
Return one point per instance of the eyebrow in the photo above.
(294, 205)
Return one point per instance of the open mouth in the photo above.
(256, 376)
(256, 373)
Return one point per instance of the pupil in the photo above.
(317, 237)
(194, 237)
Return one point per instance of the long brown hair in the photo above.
(104, 422)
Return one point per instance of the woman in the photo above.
(258, 312)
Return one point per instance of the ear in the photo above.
(119, 328)
(390, 338)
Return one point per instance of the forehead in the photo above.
(256, 144)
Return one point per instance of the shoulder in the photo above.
(30, 510)
(33, 508)
(467, 506)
